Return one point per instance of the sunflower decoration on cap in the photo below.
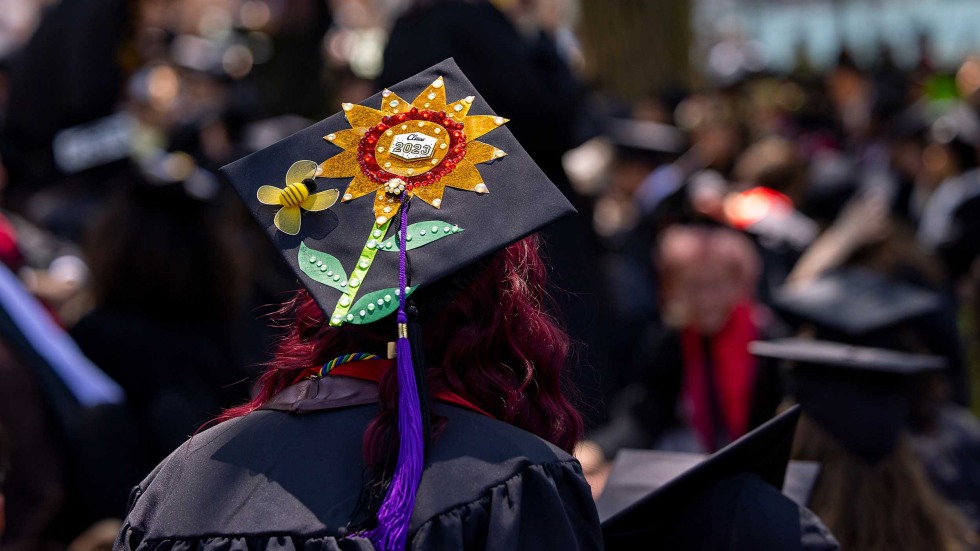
(420, 147)
(401, 151)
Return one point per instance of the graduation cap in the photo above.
(439, 173)
(700, 497)
(853, 303)
(860, 396)
(636, 473)
(645, 137)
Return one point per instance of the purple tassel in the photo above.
(395, 513)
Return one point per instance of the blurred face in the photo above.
(707, 294)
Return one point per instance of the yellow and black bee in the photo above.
(296, 195)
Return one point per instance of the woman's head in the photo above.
(705, 273)
(492, 341)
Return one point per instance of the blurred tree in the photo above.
(635, 47)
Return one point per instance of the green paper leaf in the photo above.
(372, 308)
(322, 267)
(420, 233)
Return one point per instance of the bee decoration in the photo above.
(298, 194)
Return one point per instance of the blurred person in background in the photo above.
(872, 491)
(167, 282)
(697, 387)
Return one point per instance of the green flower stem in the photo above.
(360, 272)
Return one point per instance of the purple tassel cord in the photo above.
(395, 513)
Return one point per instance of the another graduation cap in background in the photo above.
(860, 396)
(854, 304)
(636, 473)
(440, 174)
(704, 504)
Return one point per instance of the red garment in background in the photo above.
(10, 253)
(733, 371)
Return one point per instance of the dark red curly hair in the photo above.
(492, 342)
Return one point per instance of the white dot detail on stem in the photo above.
(345, 300)
(354, 282)
(363, 264)
(335, 319)
(376, 233)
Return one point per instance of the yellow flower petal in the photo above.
(458, 109)
(341, 165)
(361, 185)
(287, 220)
(385, 206)
(346, 139)
(391, 104)
(479, 152)
(268, 195)
(320, 201)
(464, 176)
(431, 194)
(433, 97)
(478, 125)
(360, 116)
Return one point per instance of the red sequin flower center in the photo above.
(456, 148)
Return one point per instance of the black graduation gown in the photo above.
(291, 480)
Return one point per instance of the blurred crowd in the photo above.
(841, 205)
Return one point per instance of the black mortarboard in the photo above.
(653, 519)
(636, 473)
(490, 193)
(647, 137)
(469, 186)
(860, 396)
(852, 302)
